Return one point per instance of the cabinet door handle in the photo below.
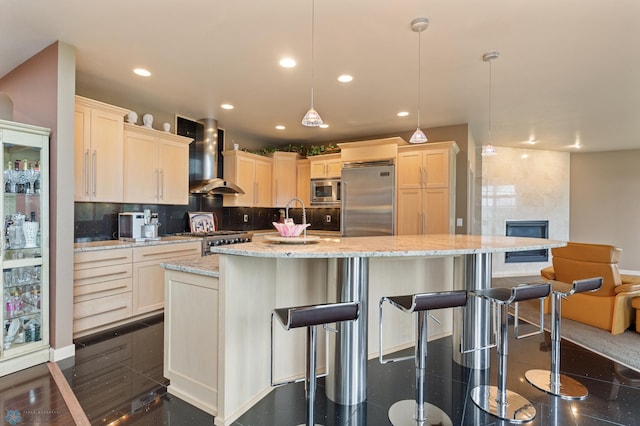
(95, 172)
(86, 173)
(255, 192)
(157, 177)
(161, 183)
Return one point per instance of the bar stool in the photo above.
(497, 400)
(552, 381)
(418, 412)
(311, 316)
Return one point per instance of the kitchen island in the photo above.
(217, 318)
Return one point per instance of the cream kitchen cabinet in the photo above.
(284, 177)
(24, 251)
(253, 174)
(426, 188)
(148, 275)
(115, 285)
(102, 286)
(156, 166)
(98, 152)
(325, 166)
(303, 190)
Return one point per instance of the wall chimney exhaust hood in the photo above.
(203, 159)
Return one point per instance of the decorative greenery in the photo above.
(304, 150)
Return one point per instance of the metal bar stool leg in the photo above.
(310, 383)
(552, 381)
(311, 316)
(418, 412)
(498, 400)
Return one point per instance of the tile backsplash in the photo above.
(99, 221)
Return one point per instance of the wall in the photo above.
(605, 201)
(42, 90)
(515, 187)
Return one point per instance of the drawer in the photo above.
(104, 310)
(99, 258)
(91, 291)
(167, 251)
(84, 277)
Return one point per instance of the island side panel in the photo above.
(251, 287)
(191, 338)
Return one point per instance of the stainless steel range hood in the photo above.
(203, 163)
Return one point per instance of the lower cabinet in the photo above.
(113, 286)
(102, 284)
(148, 275)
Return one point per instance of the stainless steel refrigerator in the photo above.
(368, 199)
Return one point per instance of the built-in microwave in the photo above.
(325, 192)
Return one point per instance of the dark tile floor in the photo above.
(117, 377)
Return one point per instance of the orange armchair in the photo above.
(608, 308)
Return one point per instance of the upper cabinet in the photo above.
(253, 174)
(325, 166)
(98, 153)
(303, 190)
(156, 166)
(284, 177)
(426, 188)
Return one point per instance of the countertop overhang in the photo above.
(117, 244)
(388, 246)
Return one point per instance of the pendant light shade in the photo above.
(489, 149)
(312, 118)
(419, 25)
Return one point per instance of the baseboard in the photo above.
(629, 272)
(56, 355)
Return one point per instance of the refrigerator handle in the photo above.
(343, 200)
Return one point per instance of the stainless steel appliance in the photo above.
(368, 199)
(219, 238)
(325, 192)
(205, 176)
(130, 226)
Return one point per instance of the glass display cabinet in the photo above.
(25, 246)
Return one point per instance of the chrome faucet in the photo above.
(304, 214)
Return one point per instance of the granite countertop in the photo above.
(206, 265)
(117, 244)
(387, 246)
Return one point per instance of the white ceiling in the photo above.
(568, 69)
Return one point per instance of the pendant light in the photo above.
(419, 25)
(489, 149)
(312, 118)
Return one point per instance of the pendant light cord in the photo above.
(490, 106)
(419, 74)
(313, 20)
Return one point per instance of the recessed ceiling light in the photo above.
(287, 62)
(226, 106)
(324, 125)
(345, 78)
(142, 72)
(524, 156)
(403, 113)
(280, 127)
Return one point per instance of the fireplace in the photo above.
(527, 228)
